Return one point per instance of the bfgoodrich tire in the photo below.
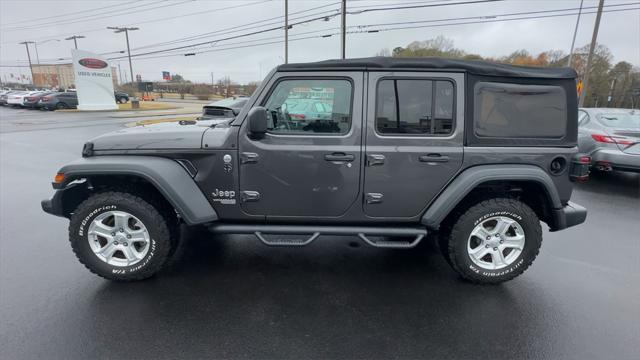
(120, 236)
(493, 241)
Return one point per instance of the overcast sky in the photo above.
(171, 21)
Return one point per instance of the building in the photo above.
(59, 76)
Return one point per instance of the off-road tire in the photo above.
(159, 227)
(455, 239)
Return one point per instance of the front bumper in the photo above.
(570, 215)
(54, 205)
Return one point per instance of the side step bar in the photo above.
(414, 235)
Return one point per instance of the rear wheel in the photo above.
(61, 105)
(493, 241)
(120, 236)
(122, 100)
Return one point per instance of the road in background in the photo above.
(232, 297)
(17, 120)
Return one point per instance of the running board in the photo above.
(314, 231)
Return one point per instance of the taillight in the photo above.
(297, 116)
(621, 140)
(46, 98)
(580, 168)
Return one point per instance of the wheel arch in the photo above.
(528, 183)
(164, 176)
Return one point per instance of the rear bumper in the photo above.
(617, 159)
(570, 215)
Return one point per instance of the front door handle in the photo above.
(434, 158)
(340, 157)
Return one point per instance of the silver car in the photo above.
(611, 137)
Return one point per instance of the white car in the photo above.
(17, 99)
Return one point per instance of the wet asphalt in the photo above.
(232, 297)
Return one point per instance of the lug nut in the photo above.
(487, 246)
(495, 249)
(501, 241)
(128, 236)
(125, 244)
(121, 230)
(115, 243)
(497, 235)
(488, 237)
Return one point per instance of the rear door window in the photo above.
(414, 107)
(519, 111)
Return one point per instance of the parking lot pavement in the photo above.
(231, 297)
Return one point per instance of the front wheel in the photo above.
(122, 100)
(493, 241)
(120, 236)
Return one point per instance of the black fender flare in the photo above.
(470, 178)
(168, 176)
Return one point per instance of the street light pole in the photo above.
(26, 44)
(590, 57)
(126, 33)
(75, 39)
(35, 45)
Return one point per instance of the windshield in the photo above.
(620, 120)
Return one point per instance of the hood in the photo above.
(174, 135)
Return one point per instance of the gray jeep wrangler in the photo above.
(388, 150)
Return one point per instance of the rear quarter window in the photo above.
(505, 110)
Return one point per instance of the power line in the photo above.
(92, 17)
(307, 21)
(63, 15)
(230, 47)
(154, 20)
(487, 17)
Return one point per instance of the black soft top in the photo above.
(476, 67)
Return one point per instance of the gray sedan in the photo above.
(611, 137)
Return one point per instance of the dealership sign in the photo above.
(94, 83)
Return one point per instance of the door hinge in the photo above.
(249, 196)
(248, 158)
(375, 159)
(373, 198)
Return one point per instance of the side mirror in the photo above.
(257, 120)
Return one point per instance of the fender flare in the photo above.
(470, 178)
(168, 177)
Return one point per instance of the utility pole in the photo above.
(212, 79)
(26, 44)
(286, 31)
(343, 30)
(75, 39)
(591, 50)
(575, 32)
(126, 33)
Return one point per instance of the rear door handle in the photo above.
(340, 157)
(434, 158)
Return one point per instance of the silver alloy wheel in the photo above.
(118, 238)
(496, 243)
